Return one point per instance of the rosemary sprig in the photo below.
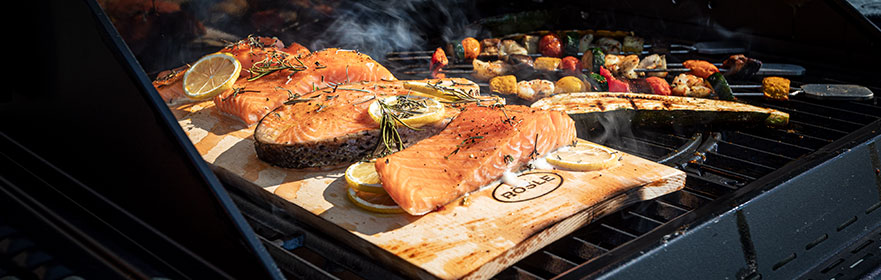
(508, 159)
(473, 140)
(298, 100)
(390, 138)
(273, 62)
(236, 92)
(457, 95)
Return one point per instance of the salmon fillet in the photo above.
(250, 100)
(247, 51)
(331, 126)
(475, 149)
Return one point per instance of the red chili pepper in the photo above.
(615, 85)
(605, 73)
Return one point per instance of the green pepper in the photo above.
(720, 86)
(459, 50)
(597, 82)
(599, 59)
(571, 43)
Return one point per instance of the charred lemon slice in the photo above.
(584, 156)
(410, 110)
(373, 202)
(211, 75)
(362, 176)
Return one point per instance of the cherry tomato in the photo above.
(550, 45)
(472, 48)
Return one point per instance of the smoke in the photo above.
(376, 27)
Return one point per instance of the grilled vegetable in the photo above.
(653, 61)
(506, 84)
(570, 42)
(622, 65)
(530, 43)
(720, 86)
(741, 67)
(520, 62)
(658, 86)
(570, 65)
(597, 82)
(550, 46)
(486, 70)
(609, 45)
(438, 61)
(584, 43)
(700, 68)
(776, 88)
(456, 49)
(569, 84)
(651, 110)
(547, 63)
(510, 47)
(632, 44)
(691, 86)
(489, 46)
(535, 89)
(592, 59)
(470, 48)
(614, 84)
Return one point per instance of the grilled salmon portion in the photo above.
(253, 96)
(248, 51)
(170, 85)
(332, 127)
(255, 49)
(475, 149)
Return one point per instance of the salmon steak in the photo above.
(332, 127)
(475, 149)
(257, 93)
(248, 51)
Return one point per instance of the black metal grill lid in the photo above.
(87, 108)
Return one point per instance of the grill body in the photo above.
(759, 202)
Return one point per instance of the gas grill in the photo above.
(799, 201)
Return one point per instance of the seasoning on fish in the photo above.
(475, 149)
(332, 126)
(302, 75)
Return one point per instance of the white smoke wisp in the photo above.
(617, 130)
(377, 27)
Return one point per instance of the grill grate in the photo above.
(725, 160)
(718, 162)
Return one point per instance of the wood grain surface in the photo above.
(475, 237)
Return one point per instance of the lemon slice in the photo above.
(373, 202)
(584, 156)
(211, 75)
(362, 176)
(413, 111)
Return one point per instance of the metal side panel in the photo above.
(783, 233)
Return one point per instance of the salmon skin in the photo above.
(331, 127)
(247, 51)
(475, 149)
(252, 97)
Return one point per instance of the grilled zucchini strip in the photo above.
(650, 109)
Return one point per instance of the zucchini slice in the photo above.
(650, 109)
